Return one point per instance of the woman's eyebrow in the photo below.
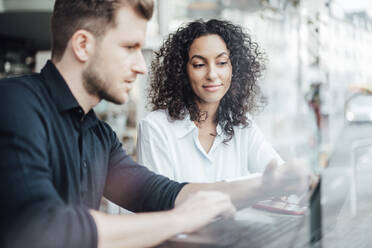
(197, 56)
(201, 57)
(221, 54)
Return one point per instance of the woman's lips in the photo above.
(212, 87)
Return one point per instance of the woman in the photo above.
(204, 85)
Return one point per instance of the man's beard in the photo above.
(95, 85)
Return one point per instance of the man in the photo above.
(58, 159)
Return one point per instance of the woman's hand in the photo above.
(291, 178)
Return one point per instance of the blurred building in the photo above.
(344, 56)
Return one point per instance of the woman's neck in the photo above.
(207, 126)
(210, 112)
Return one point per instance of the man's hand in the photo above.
(149, 229)
(201, 208)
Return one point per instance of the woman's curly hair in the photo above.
(170, 88)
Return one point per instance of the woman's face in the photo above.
(209, 68)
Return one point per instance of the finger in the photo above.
(226, 210)
(271, 167)
(223, 204)
(314, 180)
(229, 214)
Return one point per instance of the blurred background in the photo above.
(318, 59)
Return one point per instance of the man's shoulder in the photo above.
(21, 103)
(21, 87)
(24, 80)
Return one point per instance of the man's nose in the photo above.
(139, 66)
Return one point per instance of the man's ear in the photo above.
(83, 45)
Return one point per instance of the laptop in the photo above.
(259, 228)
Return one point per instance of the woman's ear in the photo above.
(83, 45)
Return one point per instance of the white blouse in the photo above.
(172, 148)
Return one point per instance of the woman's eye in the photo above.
(222, 63)
(197, 65)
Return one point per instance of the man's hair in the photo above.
(95, 16)
(170, 87)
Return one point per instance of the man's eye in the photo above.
(131, 47)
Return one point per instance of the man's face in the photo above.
(117, 58)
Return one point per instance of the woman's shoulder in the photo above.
(159, 115)
(157, 118)
(161, 121)
(250, 128)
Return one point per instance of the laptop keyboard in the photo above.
(233, 234)
(284, 231)
(278, 234)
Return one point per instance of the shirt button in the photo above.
(85, 164)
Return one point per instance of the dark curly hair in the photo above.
(170, 88)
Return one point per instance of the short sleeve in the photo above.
(153, 151)
(260, 151)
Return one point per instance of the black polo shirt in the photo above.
(56, 163)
